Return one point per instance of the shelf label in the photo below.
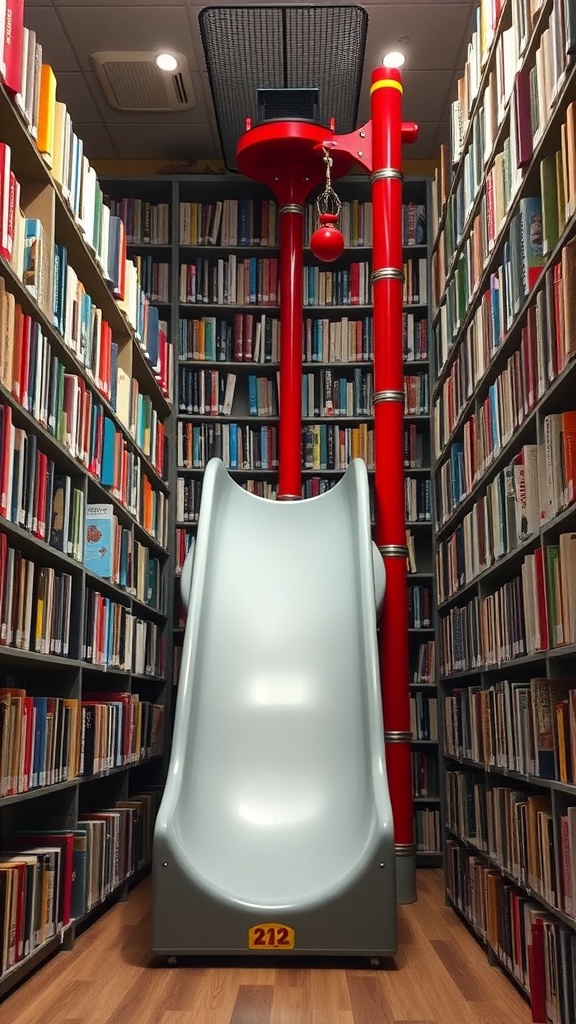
(271, 936)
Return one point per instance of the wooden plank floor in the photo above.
(440, 976)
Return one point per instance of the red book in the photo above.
(559, 317)
(247, 337)
(536, 972)
(238, 337)
(541, 599)
(41, 478)
(3, 558)
(28, 719)
(25, 359)
(5, 157)
(13, 204)
(524, 143)
(13, 33)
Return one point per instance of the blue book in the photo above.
(125, 555)
(152, 335)
(252, 279)
(113, 266)
(77, 191)
(38, 765)
(233, 445)
(108, 453)
(252, 395)
(99, 530)
(244, 222)
(113, 374)
(60, 275)
(32, 276)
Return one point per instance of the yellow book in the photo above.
(7, 314)
(46, 113)
(59, 143)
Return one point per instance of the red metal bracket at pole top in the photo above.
(358, 144)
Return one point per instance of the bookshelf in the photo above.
(503, 274)
(223, 255)
(85, 466)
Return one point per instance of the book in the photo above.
(99, 530)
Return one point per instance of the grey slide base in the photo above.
(276, 810)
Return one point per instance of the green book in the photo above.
(549, 191)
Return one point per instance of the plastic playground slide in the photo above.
(275, 829)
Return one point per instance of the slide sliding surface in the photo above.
(275, 829)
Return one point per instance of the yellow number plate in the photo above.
(271, 936)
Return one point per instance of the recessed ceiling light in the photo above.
(394, 59)
(166, 62)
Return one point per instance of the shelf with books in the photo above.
(495, 89)
(85, 407)
(538, 174)
(505, 510)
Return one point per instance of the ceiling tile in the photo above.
(162, 141)
(55, 48)
(110, 115)
(60, 4)
(72, 90)
(162, 27)
(423, 149)
(97, 143)
(442, 136)
(435, 32)
(424, 97)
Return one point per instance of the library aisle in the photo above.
(440, 976)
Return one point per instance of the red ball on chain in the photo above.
(327, 243)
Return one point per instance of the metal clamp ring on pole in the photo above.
(397, 737)
(388, 396)
(405, 849)
(292, 208)
(388, 274)
(386, 172)
(289, 497)
(393, 550)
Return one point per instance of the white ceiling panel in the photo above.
(112, 3)
(422, 149)
(130, 28)
(196, 114)
(425, 94)
(74, 92)
(56, 50)
(435, 33)
(161, 141)
(97, 142)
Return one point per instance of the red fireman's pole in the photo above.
(291, 290)
(387, 281)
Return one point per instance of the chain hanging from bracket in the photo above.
(328, 201)
(327, 242)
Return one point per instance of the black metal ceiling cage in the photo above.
(251, 51)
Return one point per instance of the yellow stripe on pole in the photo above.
(386, 83)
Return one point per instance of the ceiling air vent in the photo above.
(132, 81)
